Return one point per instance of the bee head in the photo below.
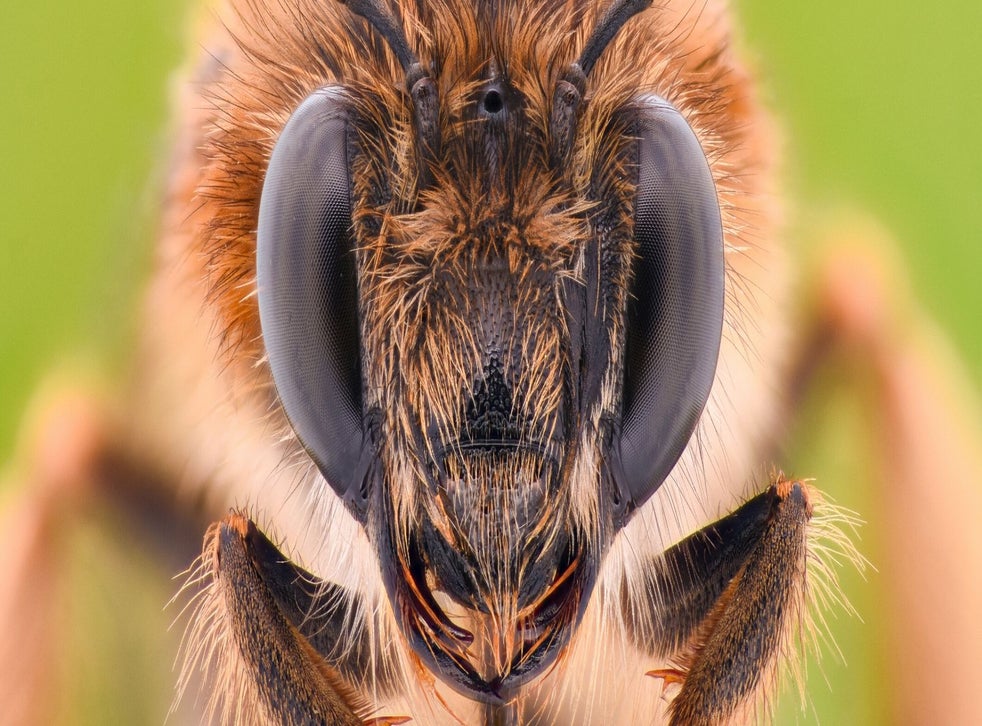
(491, 293)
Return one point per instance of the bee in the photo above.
(492, 267)
(475, 311)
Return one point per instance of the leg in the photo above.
(285, 644)
(86, 525)
(925, 466)
(724, 603)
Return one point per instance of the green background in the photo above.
(882, 102)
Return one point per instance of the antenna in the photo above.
(572, 85)
(422, 89)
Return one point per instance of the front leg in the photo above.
(724, 603)
(279, 638)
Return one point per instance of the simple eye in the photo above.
(675, 313)
(307, 289)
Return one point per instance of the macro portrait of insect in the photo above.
(468, 351)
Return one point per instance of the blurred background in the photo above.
(882, 106)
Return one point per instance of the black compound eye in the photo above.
(675, 313)
(307, 290)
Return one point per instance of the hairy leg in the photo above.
(283, 643)
(724, 602)
(927, 463)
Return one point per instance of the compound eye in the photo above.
(307, 289)
(675, 312)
